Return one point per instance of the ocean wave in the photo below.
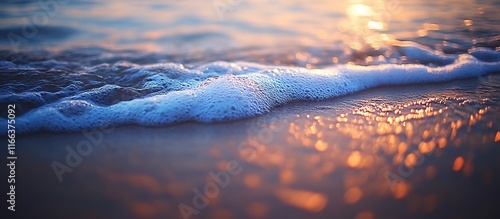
(73, 97)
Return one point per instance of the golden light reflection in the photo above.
(411, 160)
(366, 23)
(426, 147)
(252, 180)
(375, 25)
(458, 164)
(306, 200)
(442, 142)
(468, 23)
(321, 145)
(354, 159)
(401, 190)
(257, 209)
(359, 10)
(321, 159)
(353, 195)
(287, 176)
(426, 27)
(364, 215)
(361, 145)
(430, 26)
(349, 153)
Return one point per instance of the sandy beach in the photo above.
(344, 158)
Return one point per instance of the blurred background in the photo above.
(181, 27)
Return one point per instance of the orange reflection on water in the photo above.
(367, 143)
(317, 162)
(307, 200)
(364, 215)
(353, 195)
(252, 180)
(458, 164)
(354, 159)
(401, 190)
(257, 209)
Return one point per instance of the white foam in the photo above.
(224, 91)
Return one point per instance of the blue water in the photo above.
(74, 65)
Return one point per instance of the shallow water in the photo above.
(420, 151)
(350, 109)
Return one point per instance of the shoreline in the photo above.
(334, 152)
(347, 100)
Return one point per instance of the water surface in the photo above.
(321, 109)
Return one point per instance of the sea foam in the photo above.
(222, 91)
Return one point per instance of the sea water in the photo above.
(156, 64)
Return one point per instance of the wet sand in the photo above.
(421, 151)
